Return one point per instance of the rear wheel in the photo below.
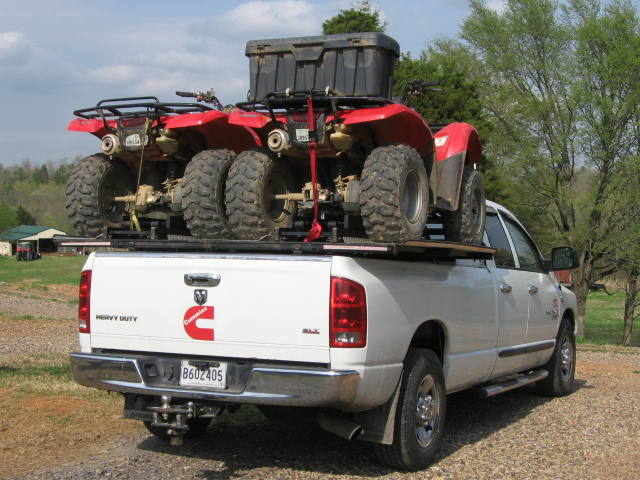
(394, 199)
(255, 178)
(91, 190)
(197, 427)
(466, 224)
(420, 414)
(203, 196)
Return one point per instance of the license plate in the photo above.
(212, 377)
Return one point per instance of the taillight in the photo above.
(84, 310)
(348, 315)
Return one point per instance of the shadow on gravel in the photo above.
(231, 449)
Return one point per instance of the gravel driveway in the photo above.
(592, 433)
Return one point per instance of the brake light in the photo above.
(84, 310)
(348, 315)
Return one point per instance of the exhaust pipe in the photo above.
(110, 144)
(278, 140)
(339, 426)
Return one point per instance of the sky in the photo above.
(60, 56)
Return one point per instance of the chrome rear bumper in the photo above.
(247, 383)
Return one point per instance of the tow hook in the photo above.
(173, 418)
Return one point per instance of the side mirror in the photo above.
(562, 258)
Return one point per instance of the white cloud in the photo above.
(14, 48)
(260, 19)
(114, 75)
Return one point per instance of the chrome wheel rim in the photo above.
(427, 415)
(566, 359)
(412, 198)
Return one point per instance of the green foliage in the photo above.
(8, 217)
(34, 194)
(362, 17)
(47, 270)
(24, 217)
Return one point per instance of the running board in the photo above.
(521, 381)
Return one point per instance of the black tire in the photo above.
(203, 196)
(197, 427)
(255, 177)
(394, 198)
(90, 190)
(420, 414)
(562, 364)
(466, 224)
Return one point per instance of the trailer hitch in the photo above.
(175, 418)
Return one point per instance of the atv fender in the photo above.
(393, 123)
(95, 127)
(216, 130)
(457, 145)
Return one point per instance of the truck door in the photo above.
(543, 293)
(526, 296)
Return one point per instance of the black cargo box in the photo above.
(351, 64)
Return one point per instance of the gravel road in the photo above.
(592, 433)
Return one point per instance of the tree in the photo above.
(562, 90)
(7, 217)
(362, 17)
(24, 217)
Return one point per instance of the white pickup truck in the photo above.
(369, 338)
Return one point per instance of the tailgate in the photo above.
(240, 306)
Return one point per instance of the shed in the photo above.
(25, 233)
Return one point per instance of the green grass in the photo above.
(604, 319)
(42, 272)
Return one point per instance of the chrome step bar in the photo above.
(511, 384)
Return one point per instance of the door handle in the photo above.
(505, 288)
(532, 289)
(202, 279)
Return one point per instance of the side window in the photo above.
(525, 248)
(498, 239)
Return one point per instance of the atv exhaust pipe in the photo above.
(110, 144)
(278, 140)
(339, 426)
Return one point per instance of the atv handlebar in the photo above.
(208, 97)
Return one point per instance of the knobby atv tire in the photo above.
(91, 188)
(394, 198)
(562, 364)
(197, 427)
(466, 224)
(420, 414)
(255, 177)
(203, 194)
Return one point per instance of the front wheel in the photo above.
(394, 200)
(466, 224)
(420, 414)
(562, 364)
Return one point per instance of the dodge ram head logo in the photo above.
(200, 296)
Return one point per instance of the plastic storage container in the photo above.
(352, 64)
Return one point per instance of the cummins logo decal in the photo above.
(191, 326)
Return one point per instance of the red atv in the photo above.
(168, 158)
(338, 158)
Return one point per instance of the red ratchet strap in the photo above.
(316, 228)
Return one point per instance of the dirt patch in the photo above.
(44, 431)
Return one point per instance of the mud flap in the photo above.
(378, 424)
(449, 177)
